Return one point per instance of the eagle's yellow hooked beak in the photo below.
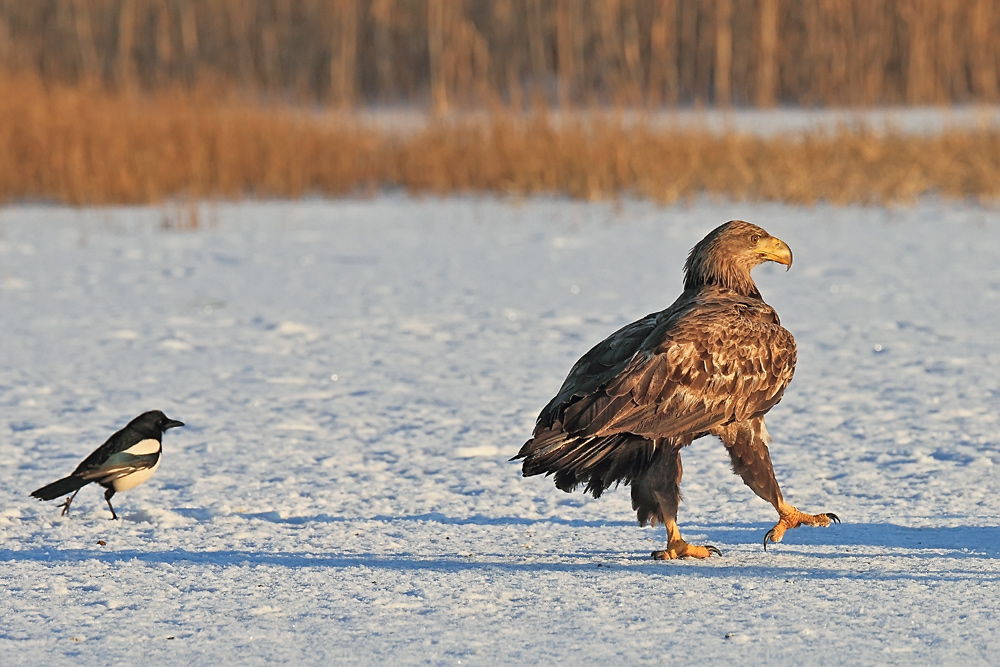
(773, 249)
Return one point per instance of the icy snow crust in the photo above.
(355, 375)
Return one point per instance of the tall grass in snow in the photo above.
(84, 145)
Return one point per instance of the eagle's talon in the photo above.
(769, 537)
(678, 549)
(793, 518)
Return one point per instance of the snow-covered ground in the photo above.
(762, 122)
(355, 375)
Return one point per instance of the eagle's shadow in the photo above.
(957, 541)
(437, 517)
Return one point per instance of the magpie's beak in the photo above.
(171, 423)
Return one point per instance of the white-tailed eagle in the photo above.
(713, 363)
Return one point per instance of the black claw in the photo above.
(714, 550)
(833, 517)
(767, 537)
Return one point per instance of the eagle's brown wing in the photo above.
(710, 359)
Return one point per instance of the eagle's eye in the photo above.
(754, 238)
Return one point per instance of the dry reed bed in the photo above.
(84, 146)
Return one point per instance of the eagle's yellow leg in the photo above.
(747, 446)
(791, 517)
(678, 548)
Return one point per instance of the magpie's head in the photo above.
(153, 422)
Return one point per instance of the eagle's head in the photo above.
(726, 256)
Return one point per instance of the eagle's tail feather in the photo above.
(598, 462)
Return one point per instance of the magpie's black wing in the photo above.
(118, 465)
(118, 442)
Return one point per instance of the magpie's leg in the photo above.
(66, 504)
(107, 496)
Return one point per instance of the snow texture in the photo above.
(926, 121)
(354, 376)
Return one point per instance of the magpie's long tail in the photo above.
(59, 487)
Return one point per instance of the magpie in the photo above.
(125, 461)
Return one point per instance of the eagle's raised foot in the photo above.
(793, 518)
(681, 549)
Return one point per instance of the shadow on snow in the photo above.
(964, 542)
(437, 517)
(960, 541)
(587, 565)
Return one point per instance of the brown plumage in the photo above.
(713, 363)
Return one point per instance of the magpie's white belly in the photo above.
(136, 478)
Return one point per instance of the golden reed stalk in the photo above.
(84, 145)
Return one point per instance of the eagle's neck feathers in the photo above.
(708, 264)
